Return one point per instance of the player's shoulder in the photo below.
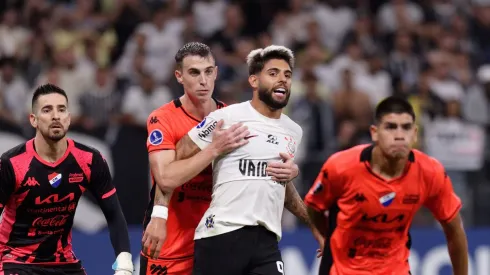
(292, 126)
(83, 148)
(348, 159)
(15, 151)
(427, 164)
(165, 110)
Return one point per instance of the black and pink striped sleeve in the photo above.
(101, 180)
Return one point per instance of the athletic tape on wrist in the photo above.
(159, 211)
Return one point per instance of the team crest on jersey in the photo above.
(54, 179)
(291, 146)
(156, 137)
(210, 221)
(386, 200)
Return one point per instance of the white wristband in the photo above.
(159, 211)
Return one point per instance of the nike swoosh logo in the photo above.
(248, 137)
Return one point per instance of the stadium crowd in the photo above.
(115, 59)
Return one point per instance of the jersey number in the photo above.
(280, 267)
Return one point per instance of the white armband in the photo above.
(160, 211)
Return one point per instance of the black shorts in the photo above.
(251, 250)
(30, 269)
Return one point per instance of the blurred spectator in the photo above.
(350, 103)
(161, 42)
(403, 63)
(315, 115)
(399, 14)
(209, 16)
(71, 76)
(13, 92)
(139, 101)
(476, 107)
(101, 102)
(13, 37)
(375, 82)
(335, 20)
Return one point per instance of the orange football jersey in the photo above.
(372, 216)
(166, 126)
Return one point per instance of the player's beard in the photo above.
(54, 134)
(266, 96)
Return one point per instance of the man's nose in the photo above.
(399, 134)
(202, 79)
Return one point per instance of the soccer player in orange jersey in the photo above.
(372, 193)
(171, 217)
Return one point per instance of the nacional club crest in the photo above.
(291, 146)
(54, 179)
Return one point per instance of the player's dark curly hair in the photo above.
(47, 89)
(257, 58)
(192, 48)
(393, 105)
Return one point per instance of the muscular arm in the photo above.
(295, 204)
(161, 198)
(457, 245)
(171, 168)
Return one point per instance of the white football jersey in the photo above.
(243, 193)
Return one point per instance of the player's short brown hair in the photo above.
(257, 58)
(47, 89)
(393, 105)
(192, 48)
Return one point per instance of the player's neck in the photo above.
(50, 151)
(385, 167)
(196, 108)
(265, 110)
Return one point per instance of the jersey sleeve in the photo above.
(326, 189)
(7, 181)
(101, 180)
(202, 134)
(441, 199)
(160, 134)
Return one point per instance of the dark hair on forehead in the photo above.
(190, 49)
(257, 58)
(393, 105)
(47, 89)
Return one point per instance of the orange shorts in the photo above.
(167, 267)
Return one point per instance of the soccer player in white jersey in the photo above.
(239, 232)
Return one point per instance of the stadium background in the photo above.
(114, 58)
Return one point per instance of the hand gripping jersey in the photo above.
(166, 126)
(370, 216)
(243, 193)
(39, 200)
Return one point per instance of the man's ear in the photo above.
(373, 129)
(253, 80)
(178, 76)
(33, 120)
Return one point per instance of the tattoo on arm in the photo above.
(186, 148)
(295, 204)
(161, 197)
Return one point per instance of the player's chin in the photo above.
(203, 94)
(279, 103)
(399, 154)
(56, 135)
